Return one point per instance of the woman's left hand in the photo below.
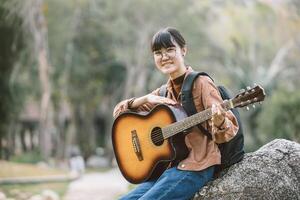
(218, 115)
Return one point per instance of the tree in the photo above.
(281, 116)
(253, 42)
(34, 23)
(11, 45)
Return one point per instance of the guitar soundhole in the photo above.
(157, 137)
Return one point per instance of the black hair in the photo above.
(165, 38)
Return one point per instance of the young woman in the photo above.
(189, 175)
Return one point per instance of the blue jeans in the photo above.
(172, 184)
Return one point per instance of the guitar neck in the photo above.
(192, 120)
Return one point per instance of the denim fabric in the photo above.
(173, 184)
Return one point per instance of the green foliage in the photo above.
(84, 67)
(280, 117)
(32, 157)
(96, 46)
(11, 45)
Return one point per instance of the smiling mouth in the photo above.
(167, 63)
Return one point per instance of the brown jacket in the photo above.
(203, 151)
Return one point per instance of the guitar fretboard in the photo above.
(191, 121)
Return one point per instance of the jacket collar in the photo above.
(170, 84)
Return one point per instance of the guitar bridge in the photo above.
(136, 145)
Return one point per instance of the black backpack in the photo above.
(231, 151)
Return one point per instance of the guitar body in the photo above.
(140, 151)
(145, 145)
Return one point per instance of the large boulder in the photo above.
(272, 172)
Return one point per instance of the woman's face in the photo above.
(170, 60)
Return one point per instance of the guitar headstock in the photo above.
(249, 96)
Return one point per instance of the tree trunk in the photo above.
(63, 143)
(45, 120)
(38, 27)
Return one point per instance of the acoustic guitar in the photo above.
(146, 144)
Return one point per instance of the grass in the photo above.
(31, 157)
(11, 169)
(25, 191)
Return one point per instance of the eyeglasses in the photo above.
(170, 52)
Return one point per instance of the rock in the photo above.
(272, 172)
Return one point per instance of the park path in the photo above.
(98, 186)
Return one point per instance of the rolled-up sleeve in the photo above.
(125, 106)
(209, 94)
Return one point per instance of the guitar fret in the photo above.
(191, 121)
(139, 136)
(186, 123)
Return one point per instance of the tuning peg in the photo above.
(253, 106)
(247, 108)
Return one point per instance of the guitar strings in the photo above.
(157, 136)
(158, 133)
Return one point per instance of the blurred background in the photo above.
(66, 64)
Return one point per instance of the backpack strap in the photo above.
(163, 90)
(187, 97)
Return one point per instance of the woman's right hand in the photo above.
(154, 99)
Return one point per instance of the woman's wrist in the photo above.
(130, 102)
(136, 102)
